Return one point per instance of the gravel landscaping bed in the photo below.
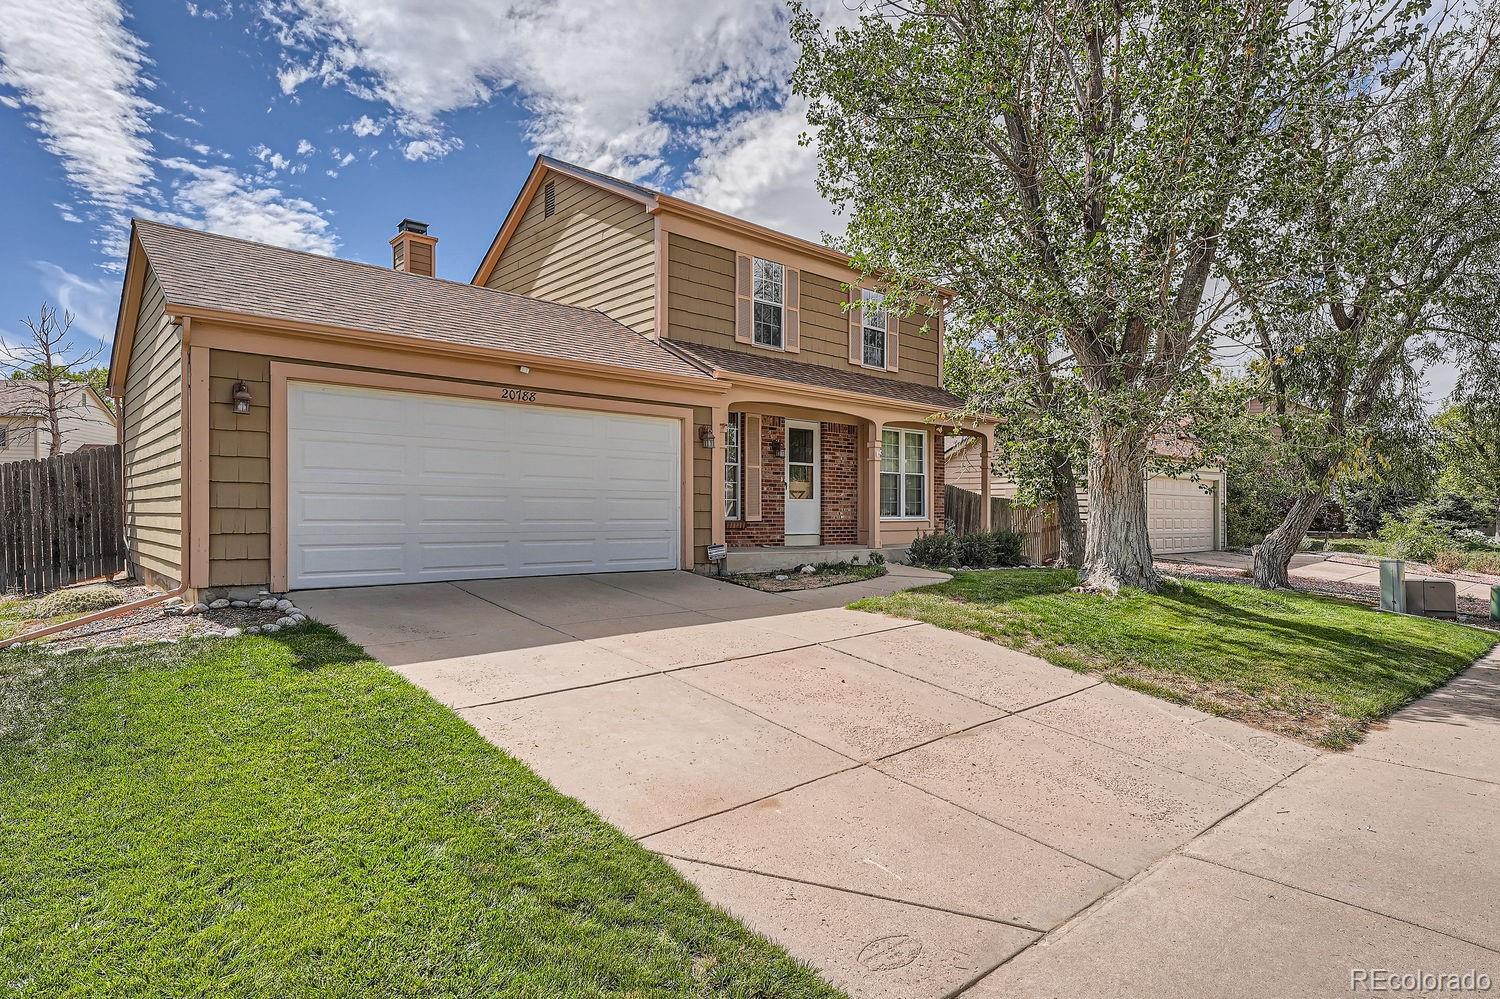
(785, 580)
(173, 621)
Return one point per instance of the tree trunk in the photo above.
(1071, 531)
(1117, 551)
(1274, 554)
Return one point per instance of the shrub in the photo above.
(974, 551)
(1008, 547)
(1485, 562)
(1448, 561)
(877, 558)
(1415, 535)
(931, 549)
(82, 600)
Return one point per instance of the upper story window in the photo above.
(770, 303)
(873, 340)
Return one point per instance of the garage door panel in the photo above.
(1182, 516)
(452, 489)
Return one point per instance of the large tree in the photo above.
(1468, 434)
(50, 362)
(1071, 169)
(1388, 257)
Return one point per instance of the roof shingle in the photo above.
(210, 271)
(765, 365)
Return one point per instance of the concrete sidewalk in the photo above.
(1387, 857)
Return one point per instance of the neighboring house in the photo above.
(26, 432)
(1185, 513)
(628, 380)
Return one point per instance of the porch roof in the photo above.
(765, 365)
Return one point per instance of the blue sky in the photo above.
(318, 124)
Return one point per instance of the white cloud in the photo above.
(754, 167)
(365, 126)
(431, 149)
(78, 70)
(220, 200)
(305, 148)
(607, 84)
(93, 303)
(273, 159)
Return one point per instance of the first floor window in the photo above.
(769, 294)
(873, 308)
(4, 438)
(903, 473)
(732, 461)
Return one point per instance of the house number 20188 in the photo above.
(517, 395)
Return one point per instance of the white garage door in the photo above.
(393, 487)
(1181, 516)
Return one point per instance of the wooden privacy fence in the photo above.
(60, 520)
(1037, 525)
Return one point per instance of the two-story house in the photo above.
(629, 382)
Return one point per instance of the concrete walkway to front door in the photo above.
(921, 814)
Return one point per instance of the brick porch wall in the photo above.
(939, 469)
(839, 484)
(771, 528)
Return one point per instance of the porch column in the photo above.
(871, 481)
(716, 477)
(984, 481)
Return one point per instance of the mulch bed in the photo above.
(794, 579)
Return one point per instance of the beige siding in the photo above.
(597, 251)
(700, 309)
(239, 472)
(153, 440)
(85, 423)
(22, 439)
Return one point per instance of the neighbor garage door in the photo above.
(394, 487)
(1181, 516)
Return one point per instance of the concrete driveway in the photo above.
(921, 814)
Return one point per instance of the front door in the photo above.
(803, 520)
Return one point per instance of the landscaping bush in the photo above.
(932, 549)
(82, 600)
(1449, 561)
(1485, 562)
(1008, 547)
(1415, 535)
(974, 551)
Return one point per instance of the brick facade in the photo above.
(771, 528)
(839, 484)
(939, 470)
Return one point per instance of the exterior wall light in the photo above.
(706, 437)
(242, 398)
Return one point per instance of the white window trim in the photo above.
(757, 300)
(901, 472)
(866, 295)
(737, 468)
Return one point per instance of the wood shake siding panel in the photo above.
(597, 251)
(700, 309)
(239, 472)
(152, 407)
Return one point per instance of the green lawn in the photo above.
(285, 817)
(1314, 668)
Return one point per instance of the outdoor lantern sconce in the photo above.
(777, 448)
(242, 398)
(706, 437)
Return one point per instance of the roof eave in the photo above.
(424, 345)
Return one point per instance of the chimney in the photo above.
(412, 250)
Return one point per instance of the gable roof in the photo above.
(655, 201)
(18, 392)
(222, 274)
(766, 365)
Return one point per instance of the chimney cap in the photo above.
(412, 225)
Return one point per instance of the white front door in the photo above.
(803, 496)
(395, 487)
